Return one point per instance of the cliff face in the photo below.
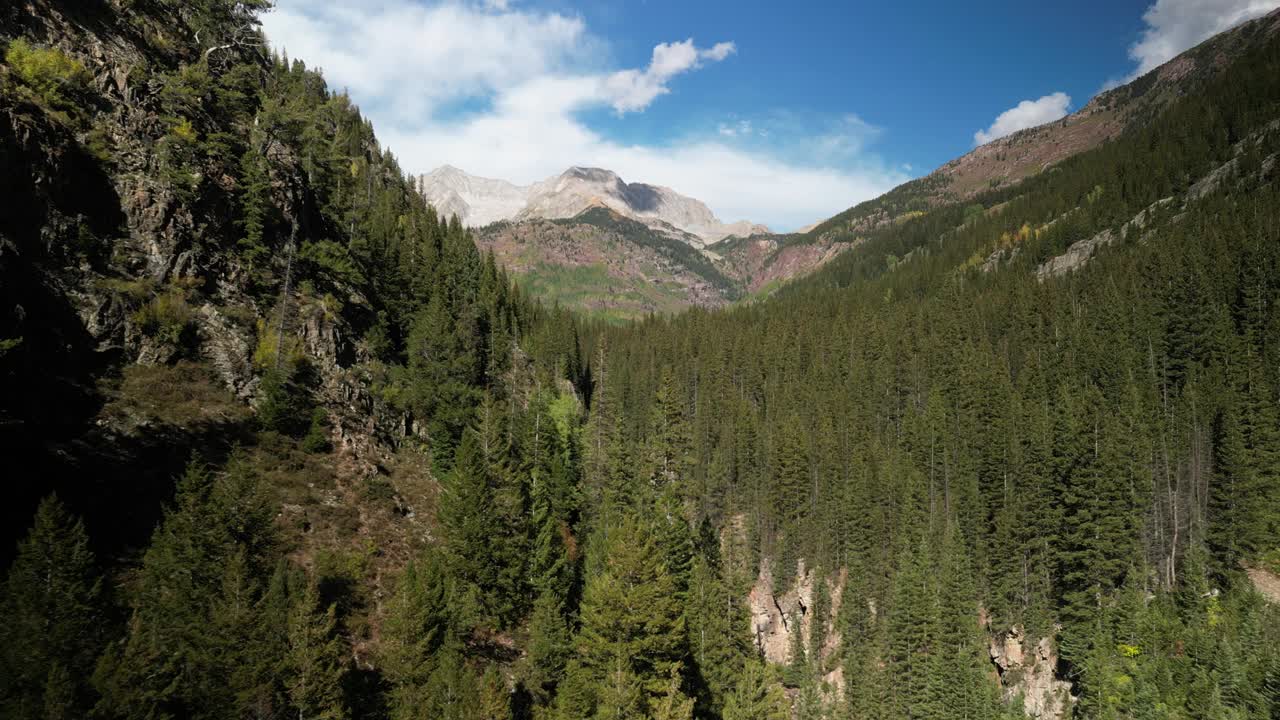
(783, 620)
(1030, 673)
(125, 291)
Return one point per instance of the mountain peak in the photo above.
(592, 174)
(480, 201)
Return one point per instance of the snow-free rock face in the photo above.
(480, 201)
(776, 617)
(1030, 673)
(475, 200)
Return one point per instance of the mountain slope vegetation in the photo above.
(302, 448)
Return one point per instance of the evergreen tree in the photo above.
(52, 608)
(548, 647)
(718, 643)
(632, 634)
(205, 568)
(913, 637)
(756, 696)
(416, 629)
(314, 662)
(481, 547)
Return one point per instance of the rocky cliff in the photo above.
(1029, 672)
(783, 620)
(135, 323)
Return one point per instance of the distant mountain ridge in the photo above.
(479, 201)
(592, 261)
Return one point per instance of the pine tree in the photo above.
(673, 704)
(632, 627)
(551, 567)
(810, 705)
(494, 698)
(620, 694)
(255, 208)
(416, 629)
(477, 544)
(507, 551)
(791, 493)
(205, 568)
(548, 647)
(671, 452)
(756, 696)
(437, 375)
(52, 609)
(959, 673)
(913, 636)
(314, 662)
(675, 540)
(718, 641)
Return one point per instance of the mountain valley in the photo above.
(293, 430)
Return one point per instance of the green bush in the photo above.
(317, 437)
(271, 343)
(334, 260)
(286, 405)
(53, 77)
(167, 318)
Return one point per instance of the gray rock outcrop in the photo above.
(481, 201)
(1031, 674)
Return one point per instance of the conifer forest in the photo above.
(281, 440)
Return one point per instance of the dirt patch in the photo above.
(1267, 583)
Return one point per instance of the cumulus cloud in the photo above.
(422, 57)
(501, 92)
(1026, 114)
(632, 90)
(1173, 26)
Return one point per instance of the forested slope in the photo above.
(208, 262)
(294, 447)
(978, 444)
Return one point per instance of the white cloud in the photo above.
(423, 57)
(720, 51)
(632, 90)
(1026, 114)
(499, 92)
(1176, 25)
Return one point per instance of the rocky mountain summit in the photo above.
(481, 201)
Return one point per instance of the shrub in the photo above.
(317, 437)
(53, 77)
(134, 291)
(167, 318)
(271, 344)
(285, 406)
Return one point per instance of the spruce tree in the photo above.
(477, 542)
(548, 647)
(717, 623)
(53, 619)
(757, 696)
(314, 665)
(416, 629)
(632, 626)
(195, 645)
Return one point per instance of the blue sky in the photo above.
(928, 74)
(782, 113)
